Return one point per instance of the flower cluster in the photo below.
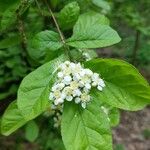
(74, 84)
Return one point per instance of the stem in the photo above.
(59, 31)
(136, 46)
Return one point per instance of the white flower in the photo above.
(88, 72)
(57, 94)
(83, 104)
(76, 77)
(67, 91)
(76, 92)
(78, 68)
(88, 86)
(54, 88)
(67, 80)
(61, 86)
(95, 76)
(77, 100)
(85, 97)
(69, 98)
(74, 84)
(60, 74)
(51, 96)
(101, 83)
(82, 73)
(72, 65)
(86, 79)
(58, 101)
(99, 88)
(62, 66)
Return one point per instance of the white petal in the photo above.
(101, 83)
(88, 72)
(72, 65)
(81, 84)
(60, 74)
(77, 100)
(67, 78)
(62, 66)
(94, 84)
(60, 100)
(82, 73)
(76, 77)
(51, 96)
(86, 90)
(99, 88)
(95, 76)
(63, 95)
(83, 105)
(56, 102)
(76, 92)
(61, 85)
(88, 86)
(69, 98)
(54, 87)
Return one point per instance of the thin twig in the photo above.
(136, 47)
(56, 23)
(59, 31)
(37, 3)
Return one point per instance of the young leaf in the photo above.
(12, 119)
(85, 129)
(125, 86)
(68, 15)
(102, 4)
(43, 44)
(31, 131)
(92, 31)
(34, 90)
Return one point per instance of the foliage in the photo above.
(38, 36)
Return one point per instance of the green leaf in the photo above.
(43, 44)
(12, 119)
(114, 116)
(10, 91)
(33, 93)
(92, 31)
(85, 129)
(5, 4)
(54, 3)
(68, 15)
(8, 18)
(9, 42)
(125, 86)
(31, 131)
